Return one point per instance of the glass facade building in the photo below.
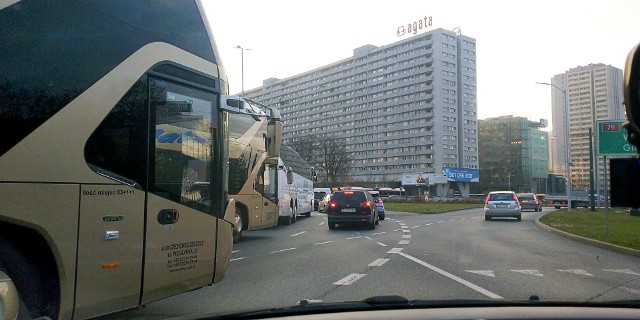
(514, 155)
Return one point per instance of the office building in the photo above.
(594, 92)
(409, 106)
(514, 155)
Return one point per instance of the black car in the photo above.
(352, 206)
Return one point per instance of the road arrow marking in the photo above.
(631, 290)
(529, 272)
(627, 271)
(378, 262)
(488, 273)
(349, 279)
(452, 276)
(577, 271)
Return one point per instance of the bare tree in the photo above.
(305, 146)
(334, 162)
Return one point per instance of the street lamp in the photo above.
(242, 50)
(566, 137)
(509, 175)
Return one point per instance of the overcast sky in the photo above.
(518, 43)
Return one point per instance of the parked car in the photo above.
(352, 206)
(379, 203)
(529, 201)
(324, 203)
(502, 204)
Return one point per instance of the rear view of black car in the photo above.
(352, 206)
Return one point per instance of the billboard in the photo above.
(414, 179)
(461, 174)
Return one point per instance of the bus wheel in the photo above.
(294, 215)
(237, 227)
(25, 278)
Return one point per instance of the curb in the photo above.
(595, 243)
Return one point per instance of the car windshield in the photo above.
(163, 159)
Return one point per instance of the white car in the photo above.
(502, 204)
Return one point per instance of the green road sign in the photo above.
(612, 139)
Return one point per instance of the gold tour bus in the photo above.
(114, 154)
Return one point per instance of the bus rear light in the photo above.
(110, 265)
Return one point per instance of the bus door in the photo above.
(180, 225)
(266, 186)
(110, 247)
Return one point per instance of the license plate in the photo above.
(502, 205)
(348, 210)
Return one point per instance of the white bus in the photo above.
(295, 186)
(114, 155)
(252, 168)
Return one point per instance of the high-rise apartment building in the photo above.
(594, 92)
(514, 155)
(409, 106)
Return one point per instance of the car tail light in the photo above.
(348, 192)
(365, 204)
(487, 199)
(333, 204)
(515, 198)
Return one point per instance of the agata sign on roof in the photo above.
(414, 27)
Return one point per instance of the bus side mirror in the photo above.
(632, 95)
(289, 176)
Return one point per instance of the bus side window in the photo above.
(117, 147)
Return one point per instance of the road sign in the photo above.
(612, 139)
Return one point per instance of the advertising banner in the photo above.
(461, 174)
(414, 179)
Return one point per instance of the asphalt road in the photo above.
(455, 255)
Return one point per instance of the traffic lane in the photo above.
(527, 259)
(270, 276)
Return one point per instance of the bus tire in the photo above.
(294, 214)
(26, 278)
(238, 225)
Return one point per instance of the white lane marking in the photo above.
(452, 277)
(395, 250)
(319, 243)
(321, 223)
(404, 242)
(530, 272)
(405, 227)
(283, 250)
(580, 272)
(441, 221)
(627, 271)
(453, 219)
(368, 238)
(636, 291)
(382, 244)
(488, 273)
(414, 227)
(297, 234)
(378, 262)
(428, 224)
(349, 279)
(235, 259)
(406, 236)
(354, 238)
(406, 230)
(397, 230)
(234, 251)
(377, 233)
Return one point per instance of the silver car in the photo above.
(502, 204)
